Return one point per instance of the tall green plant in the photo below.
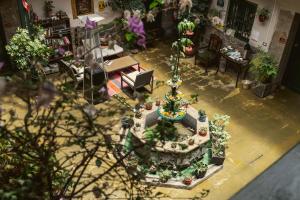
(264, 67)
(27, 50)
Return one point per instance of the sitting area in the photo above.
(136, 80)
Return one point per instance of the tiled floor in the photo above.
(262, 129)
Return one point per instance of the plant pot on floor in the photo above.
(263, 89)
(217, 160)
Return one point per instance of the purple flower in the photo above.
(89, 24)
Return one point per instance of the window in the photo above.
(241, 15)
(82, 7)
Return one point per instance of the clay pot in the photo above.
(188, 50)
(262, 18)
(148, 106)
(191, 141)
(187, 181)
(189, 33)
(203, 133)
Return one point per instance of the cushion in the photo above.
(132, 75)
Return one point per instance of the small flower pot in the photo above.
(217, 160)
(148, 106)
(187, 181)
(189, 33)
(203, 133)
(200, 174)
(191, 142)
(262, 18)
(188, 50)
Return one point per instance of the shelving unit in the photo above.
(58, 37)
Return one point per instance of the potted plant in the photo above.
(49, 9)
(263, 14)
(137, 127)
(186, 27)
(164, 176)
(149, 103)
(201, 169)
(152, 169)
(127, 122)
(264, 67)
(138, 115)
(218, 154)
(219, 138)
(203, 131)
(187, 180)
(202, 115)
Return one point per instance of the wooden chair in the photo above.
(210, 55)
(136, 80)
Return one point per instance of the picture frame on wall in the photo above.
(82, 7)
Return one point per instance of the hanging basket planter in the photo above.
(262, 18)
(188, 50)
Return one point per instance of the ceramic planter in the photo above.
(187, 181)
(203, 133)
(148, 106)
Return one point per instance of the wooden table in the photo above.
(121, 63)
(241, 66)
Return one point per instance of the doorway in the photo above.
(292, 74)
(2, 41)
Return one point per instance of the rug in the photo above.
(114, 81)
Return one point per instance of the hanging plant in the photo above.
(186, 27)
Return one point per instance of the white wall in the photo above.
(66, 6)
(262, 33)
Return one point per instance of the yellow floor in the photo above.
(262, 130)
